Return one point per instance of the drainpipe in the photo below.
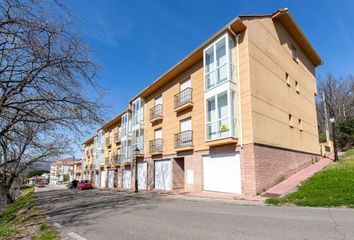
(237, 38)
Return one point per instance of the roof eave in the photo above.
(298, 35)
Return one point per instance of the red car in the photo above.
(40, 185)
(84, 184)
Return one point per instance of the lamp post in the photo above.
(136, 152)
(333, 120)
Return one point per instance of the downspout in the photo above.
(237, 38)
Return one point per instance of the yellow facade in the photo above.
(275, 89)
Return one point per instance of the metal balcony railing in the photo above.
(184, 139)
(183, 97)
(108, 141)
(116, 137)
(116, 159)
(156, 145)
(156, 112)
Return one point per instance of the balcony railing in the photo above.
(116, 137)
(184, 139)
(117, 159)
(156, 112)
(156, 145)
(183, 97)
(108, 141)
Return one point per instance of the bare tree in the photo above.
(28, 144)
(339, 98)
(44, 70)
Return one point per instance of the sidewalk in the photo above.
(218, 197)
(290, 184)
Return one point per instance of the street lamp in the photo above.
(333, 120)
(136, 153)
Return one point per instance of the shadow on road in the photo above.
(74, 208)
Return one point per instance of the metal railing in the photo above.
(116, 137)
(184, 139)
(156, 145)
(108, 141)
(183, 97)
(156, 111)
(116, 159)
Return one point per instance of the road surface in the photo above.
(93, 214)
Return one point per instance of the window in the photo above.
(218, 62)
(219, 122)
(287, 78)
(185, 84)
(297, 87)
(293, 52)
(291, 121)
(300, 125)
(137, 111)
(158, 100)
(186, 124)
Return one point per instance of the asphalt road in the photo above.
(107, 215)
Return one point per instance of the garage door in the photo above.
(142, 175)
(103, 178)
(221, 173)
(163, 174)
(111, 179)
(127, 176)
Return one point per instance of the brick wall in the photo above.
(272, 165)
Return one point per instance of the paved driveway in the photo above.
(112, 215)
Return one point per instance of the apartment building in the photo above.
(62, 171)
(236, 115)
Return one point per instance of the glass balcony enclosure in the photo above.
(220, 89)
(137, 112)
(218, 62)
(126, 124)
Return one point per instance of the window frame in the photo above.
(214, 68)
(231, 114)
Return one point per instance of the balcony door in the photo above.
(186, 124)
(158, 133)
(158, 100)
(185, 84)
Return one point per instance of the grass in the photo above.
(332, 187)
(21, 219)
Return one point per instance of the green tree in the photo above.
(345, 133)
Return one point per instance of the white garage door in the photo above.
(163, 174)
(111, 179)
(142, 175)
(127, 176)
(221, 173)
(103, 178)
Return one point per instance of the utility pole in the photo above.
(326, 117)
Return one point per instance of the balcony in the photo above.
(156, 113)
(116, 137)
(183, 100)
(106, 161)
(184, 140)
(156, 146)
(108, 141)
(117, 159)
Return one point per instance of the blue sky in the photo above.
(135, 42)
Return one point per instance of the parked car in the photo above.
(84, 184)
(40, 185)
(73, 184)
